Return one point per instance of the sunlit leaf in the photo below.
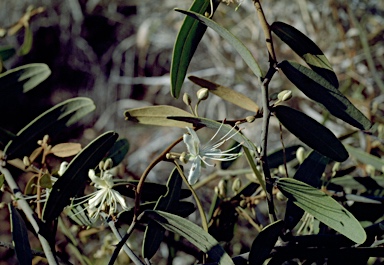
(51, 122)
(186, 43)
(320, 90)
(311, 133)
(23, 78)
(264, 243)
(20, 237)
(157, 115)
(228, 36)
(193, 233)
(76, 174)
(322, 207)
(306, 49)
(66, 149)
(309, 172)
(227, 94)
(365, 158)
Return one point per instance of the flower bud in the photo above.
(250, 119)
(108, 164)
(202, 93)
(236, 185)
(300, 154)
(26, 161)
(187, 99)
(284, 95)
(222, 188)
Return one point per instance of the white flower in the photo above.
(105, 198)
(198, 154)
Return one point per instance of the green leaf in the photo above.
(5, 137)
(264, 243)
(118, 151)
(311, 133)
(228, 36)
(283, 155)
(323, 208)
(20, 237)
(76, 174)
(309, 172)
(193, 233)
(154, 232)
(150, 192)
(320, 90)
(157, 115)
(203, 122)
(227, 94)
(306, 49)
(51, 122)
(186, 43)
(27, 44)
(365, 158)
(23, 78)
(6, 52)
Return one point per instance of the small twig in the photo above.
(126, 248)
(267, 33)
(24, 206)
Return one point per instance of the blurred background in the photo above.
(118, 52)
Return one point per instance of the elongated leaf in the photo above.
(186, 43)
(118, 151)
(66, 149)
(74, 177)
(20, 237)
(320, 90)
(6, 52)
(23, 78)
(193, 233)
(311, 133)
(154, 232)
(306, 49)
(227, 94)
(228, 36)
(277, 158)
(366, 158)
(203, 122)
(264, 243)
(323, 208)
(150, 192)
(309, 172)
(50, 122)
(157, 115)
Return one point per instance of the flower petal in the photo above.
(194, 172)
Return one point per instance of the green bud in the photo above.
(281, 197)
(108, 164)
(202, 93)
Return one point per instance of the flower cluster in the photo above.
(105, 198)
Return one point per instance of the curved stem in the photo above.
(158, 159)
(204, 222)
